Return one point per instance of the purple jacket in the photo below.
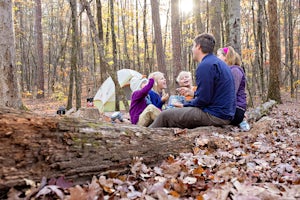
(240, 85)
(138, 101)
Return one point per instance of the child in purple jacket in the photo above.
(142, 111)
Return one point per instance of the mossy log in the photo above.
(33, 146)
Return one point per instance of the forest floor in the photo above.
(252, 166)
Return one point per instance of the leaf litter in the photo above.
(251, 165)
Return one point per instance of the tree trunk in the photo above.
(216, 20)
(120, 95)
(176, 40)
(80, 149)
(285, 71)
(197, 13)
(274, 86)
(39, 50)
(259, 47)
(100, 34)
(53, 147)
(137, 36)
(74, 53)
(235, 25)
(80, 61)
(158, 37)
(9, 85)
(146, 46)
(125, 48)
(291, 46)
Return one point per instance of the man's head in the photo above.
(203, 44)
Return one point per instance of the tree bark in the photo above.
(33, 147)
(9, 85)
(197, 14)
(39, 50)
(235, 25)
(158, 37)
(216, 20)
(176, 39)
(147, 66)
(100, 34)
(78, 149)
(274, 86)
(74, 54)
(120, 95)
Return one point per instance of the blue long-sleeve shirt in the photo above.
(156, 99)
(215, 92)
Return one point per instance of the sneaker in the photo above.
(244, 126)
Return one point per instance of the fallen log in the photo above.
(257, 113)
(33, 147)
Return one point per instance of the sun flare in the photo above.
(186, 6)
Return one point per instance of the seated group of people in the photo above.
(219, 97)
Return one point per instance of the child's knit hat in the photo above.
(136, 83)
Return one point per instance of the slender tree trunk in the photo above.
(176, 39)
(197, 13)
(9, 85)
(286, 42)
(226, 18)
(115, 54)
(146, 46)
(216, 22)
(125, 47)
(260, 47)
(274, 86)
(166, 29)
(235, 25)
(39, 48)
(158, 36)
(137, 35)
(120, 95)
(101, 38)
(74, 52)
(79, 64)
(291, 46)
(111, 71)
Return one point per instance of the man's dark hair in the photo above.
(206, 42)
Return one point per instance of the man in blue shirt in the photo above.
(214, 99)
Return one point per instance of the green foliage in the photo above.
(296, 83)
(58, 93)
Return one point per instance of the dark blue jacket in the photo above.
(215, 88)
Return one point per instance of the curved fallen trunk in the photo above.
(33, 147)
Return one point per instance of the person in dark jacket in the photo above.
(214, 99)
(233, 60)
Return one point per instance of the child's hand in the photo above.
(178, 105)
(184, 91)
(165, 97)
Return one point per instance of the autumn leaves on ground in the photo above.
(260, 164)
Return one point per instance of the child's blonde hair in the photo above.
(155, 75)
(183, 73)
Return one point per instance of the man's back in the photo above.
(215, 88)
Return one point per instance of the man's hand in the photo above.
(184, 91)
